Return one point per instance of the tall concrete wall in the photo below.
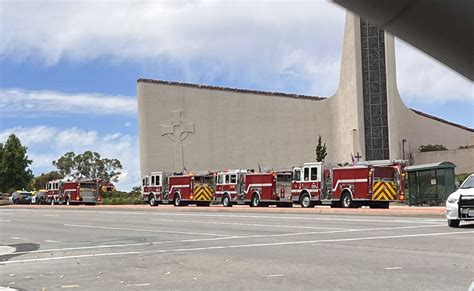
(416, 129)
(231, 129)
(347, 111)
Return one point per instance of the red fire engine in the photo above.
(374, 184)
(75, 192)
(191, 189)
(255, 189)
(155, 188)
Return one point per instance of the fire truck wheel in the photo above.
(152, 201)
(453, 222)
(226, 201)
(255, 200)
(346, 200)
(305, 201)
(177, 200)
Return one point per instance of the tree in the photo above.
(321, 152)
(88, 165)
(40, 181)
(14, 162)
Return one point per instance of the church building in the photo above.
(201, 127)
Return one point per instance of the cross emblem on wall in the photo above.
(177, 130)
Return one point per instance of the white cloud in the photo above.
(423, 78)
(290, 46)
(56, 142)
(14, 102)
(32, 135)
(206, 39)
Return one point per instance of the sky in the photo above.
(68, 69)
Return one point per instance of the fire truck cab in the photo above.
(263, 189)
(52, 195)
(230, 187)
(191, 188)
(155, 188)
(306, 184)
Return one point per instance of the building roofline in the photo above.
(219, 88)
(442, 120)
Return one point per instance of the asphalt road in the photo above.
(106, 249)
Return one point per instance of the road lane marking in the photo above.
(51, 241)
(51, 215)
(145, 230)
(274, 275)
(138, 285)
(4, 220)
(69, 257)
(237, 246)
(248, 224)
(225, 238)
(393, 268)
(16, 238)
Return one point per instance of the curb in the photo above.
(402, 211)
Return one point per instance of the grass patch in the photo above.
(121, 198)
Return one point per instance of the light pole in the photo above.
(403, 148)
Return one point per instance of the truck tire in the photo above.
(453, 222)
(226, 201)
(177, 200)
(305, 201)
(255, 202)
(152, 200)
(346, 200)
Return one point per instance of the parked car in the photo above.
(21, 197)
(460, 204)
(39, 197)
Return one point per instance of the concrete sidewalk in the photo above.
(435, 212)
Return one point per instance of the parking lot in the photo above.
(168, 248)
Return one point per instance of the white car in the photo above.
(460, 204)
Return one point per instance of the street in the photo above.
(105, 249)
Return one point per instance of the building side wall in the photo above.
(462, 158)
(231, 129)
(414, 128)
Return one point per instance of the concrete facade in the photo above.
(211, 128)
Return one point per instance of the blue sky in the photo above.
(68, 70)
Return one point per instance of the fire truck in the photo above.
(155, 188)
(75, 192)
(374, 184)
(254, 189)
(191, 188)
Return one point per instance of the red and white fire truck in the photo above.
(75, 192)
(374, 184)
(155, 188)
(254, 189)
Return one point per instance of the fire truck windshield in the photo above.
(204, 179)
(87, 185)
(284, 178)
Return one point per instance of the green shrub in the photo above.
(432, 148)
